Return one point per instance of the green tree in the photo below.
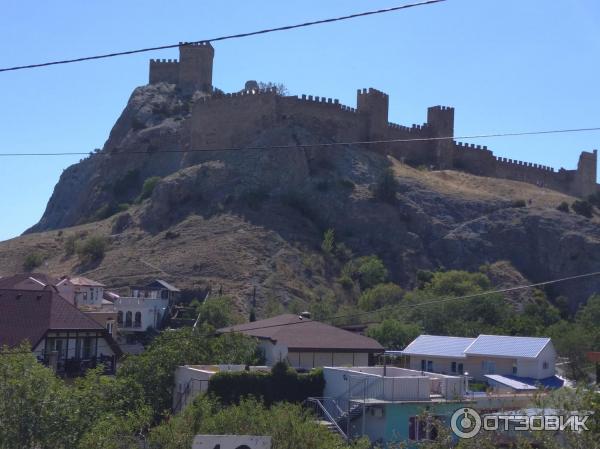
(154, 369)
(32, 261)
(380, 296)
(290, 426)
(393, 334)
(218, 312)
(92, 249)
(368, 270)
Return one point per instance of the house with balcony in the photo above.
(146, 307)
(305, 343)
(504, 362)
(61, 335)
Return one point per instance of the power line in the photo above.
(312, 145)
(383, 309)
(223, 38)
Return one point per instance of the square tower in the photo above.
(195, 66)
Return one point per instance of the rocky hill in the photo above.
(255, 218)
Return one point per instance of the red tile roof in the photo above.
(27, 281)
(304, 334)
(29, 314)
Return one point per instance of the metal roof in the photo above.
(507, 346)
(512, 383)
(439, 346)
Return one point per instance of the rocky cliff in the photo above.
(255, 218)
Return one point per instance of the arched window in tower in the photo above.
(128, 319)
(120, 318)
(138, 319)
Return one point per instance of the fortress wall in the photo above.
(414, 153)
(232, 119)
(164, 71)
(475, 159)
(325, 116)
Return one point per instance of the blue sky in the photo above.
(511, 65)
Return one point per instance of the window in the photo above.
(138, 319)
(488, 367)
(84, 296)
(545, 365)
(87, 348)
(92, 294)
(109, 326)
(514, 369)
(128, 319)
(453, 367)
(461, 368)
(120, 317)
(421, 429)
(430, 366)
(423, 365)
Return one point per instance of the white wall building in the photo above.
(497, 355)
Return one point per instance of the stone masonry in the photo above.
(237, 119)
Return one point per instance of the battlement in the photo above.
(521, 164)
(467, 146)
(164, 61)
(196, 44)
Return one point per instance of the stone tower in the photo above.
(585, 177)
(195, 66)
(440, 123)
(374, 104)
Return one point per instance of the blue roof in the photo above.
(514, 383)
(439, 346)
(507, 346)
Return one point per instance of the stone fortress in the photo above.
(238, 119)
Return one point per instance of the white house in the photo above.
(146, 307)
(526, 359)
(81, 291)
(304, 343)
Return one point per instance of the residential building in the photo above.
(191, 380)
(502, 361)
(304, 343)
(86, 294)
(60, 335)
(146, 307)
(387, 404)
(81, 291)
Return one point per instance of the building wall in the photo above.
(311, 359)
(441, 365)
(534, 368)
(236, 120)
(151, 310)
(70, 346)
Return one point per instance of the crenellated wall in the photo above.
(192, 72)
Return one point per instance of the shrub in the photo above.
(282, 384)
(70, 244)
(386, 187)
(594, 198)
(92, 249)
(328, 244)
(518, 203)
(342, 252)
(380, 296)
(32, 261)
(148, 187)
(369, 271)
(170, 235)
(583, 207)
(563, 207)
